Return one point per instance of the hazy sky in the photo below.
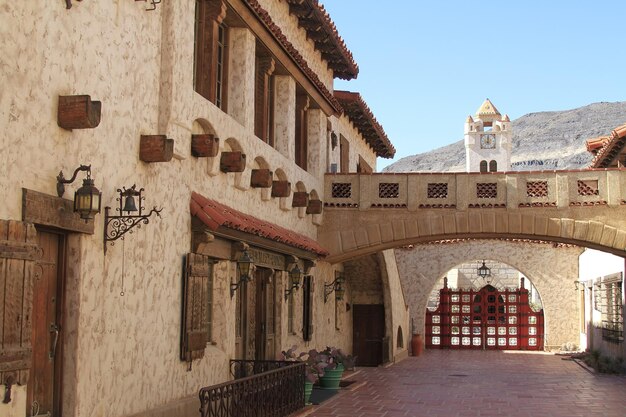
(425, 66)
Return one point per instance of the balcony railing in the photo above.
(512, 190)
(269, 389)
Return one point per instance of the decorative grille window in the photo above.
(342, 190)
(486, 190)
(588, 187)
(608, 300)
(388, 190)
(537, 189)
(437, 190)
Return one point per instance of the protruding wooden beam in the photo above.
(156, 148)
(300, 199)
(314, 207)
(205, 145)
(233, 162)
(281, 188)
(78, 112)
(261, 178)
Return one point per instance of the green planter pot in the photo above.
(331, 378)
(308, 389)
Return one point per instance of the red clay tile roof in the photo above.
(595, 144)
(612, 149)
(360, 114)
(313, 18)
(280, 37)
(214, 215)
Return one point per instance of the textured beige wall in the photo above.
(122, 352)
(552, 270)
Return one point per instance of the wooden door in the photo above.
(47, 336)
(369, 333)
(264, 314)
(18, 255)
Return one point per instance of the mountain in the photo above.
(541, 141)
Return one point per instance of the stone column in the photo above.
(317, 142)
(241, 76)
(285, 115)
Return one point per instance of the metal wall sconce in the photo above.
(336, 286)
(244, 265)
(485, 273)
(295, 275)
(579, 285)
(116, 227)
(87, 199)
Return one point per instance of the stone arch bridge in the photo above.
(367, 213)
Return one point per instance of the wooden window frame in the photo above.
(211, 52)
(302, 131)
(263, 100)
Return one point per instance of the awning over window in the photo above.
(215, 215)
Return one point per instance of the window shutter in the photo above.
(307, 305)
(18, 255)
(196, 303)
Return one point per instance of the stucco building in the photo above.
(221, 115)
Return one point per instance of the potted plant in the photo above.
(333, 371)
(313, 370)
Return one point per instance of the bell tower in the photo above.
(488, 140)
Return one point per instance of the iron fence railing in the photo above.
(276, 392)
(241, 368)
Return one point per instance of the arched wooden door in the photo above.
(484, 319)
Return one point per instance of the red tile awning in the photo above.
(215, 215)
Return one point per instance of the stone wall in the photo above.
(551, 269)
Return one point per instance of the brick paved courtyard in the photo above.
(475, 383)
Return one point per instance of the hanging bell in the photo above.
(129, 204)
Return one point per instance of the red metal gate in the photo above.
(484, 319)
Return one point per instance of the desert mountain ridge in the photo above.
(541, 141)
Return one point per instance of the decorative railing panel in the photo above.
(472, 190)
(274, 393)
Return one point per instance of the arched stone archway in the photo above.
(551, 269)
(347, 235)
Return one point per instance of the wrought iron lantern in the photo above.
(87, 199)
(484, 272)
(244, 265)
(115, 227)
(295, 276)
(336, 286)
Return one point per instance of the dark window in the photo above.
(263, 92)
(220, 80)
(344, 151)
(302, 105)
(307, 308)
(608, 299)
(210, 61)
(493, 166)
(483, 166)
